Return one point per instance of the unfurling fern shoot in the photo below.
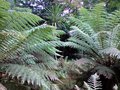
(94, 82)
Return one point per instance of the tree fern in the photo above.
(91, 21)
(28, 50)
(97, 38)
(31, 47)
(93, 45)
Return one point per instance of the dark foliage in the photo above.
(69, 52)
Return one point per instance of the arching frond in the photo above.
(84, 41)
(105, 71)
(113, 52)
(86, 28)
(31, 74)
(40, 39)
(21, 20)
(15, 20)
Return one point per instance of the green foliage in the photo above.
(91, 42)
(99, 19)
(95, 17)
(21, 21)
(113, 19)
(27, 49)
(113, 5)
(95, 34)
(3, 12)
(25, 73)
(53, 14)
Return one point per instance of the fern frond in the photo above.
(12, 19)
(87, 86)
(113, 19)
(21, 21)
(27, 50)
(105, 71)
(94, 83)
(81, 44)
(31, 74)
(40, 39)
(113, 52)
(84, 63)
(84, 14)
(4, 6)
(88, 43)
(114, 36)
(33, 51)
(86, 28)
(95, 18)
